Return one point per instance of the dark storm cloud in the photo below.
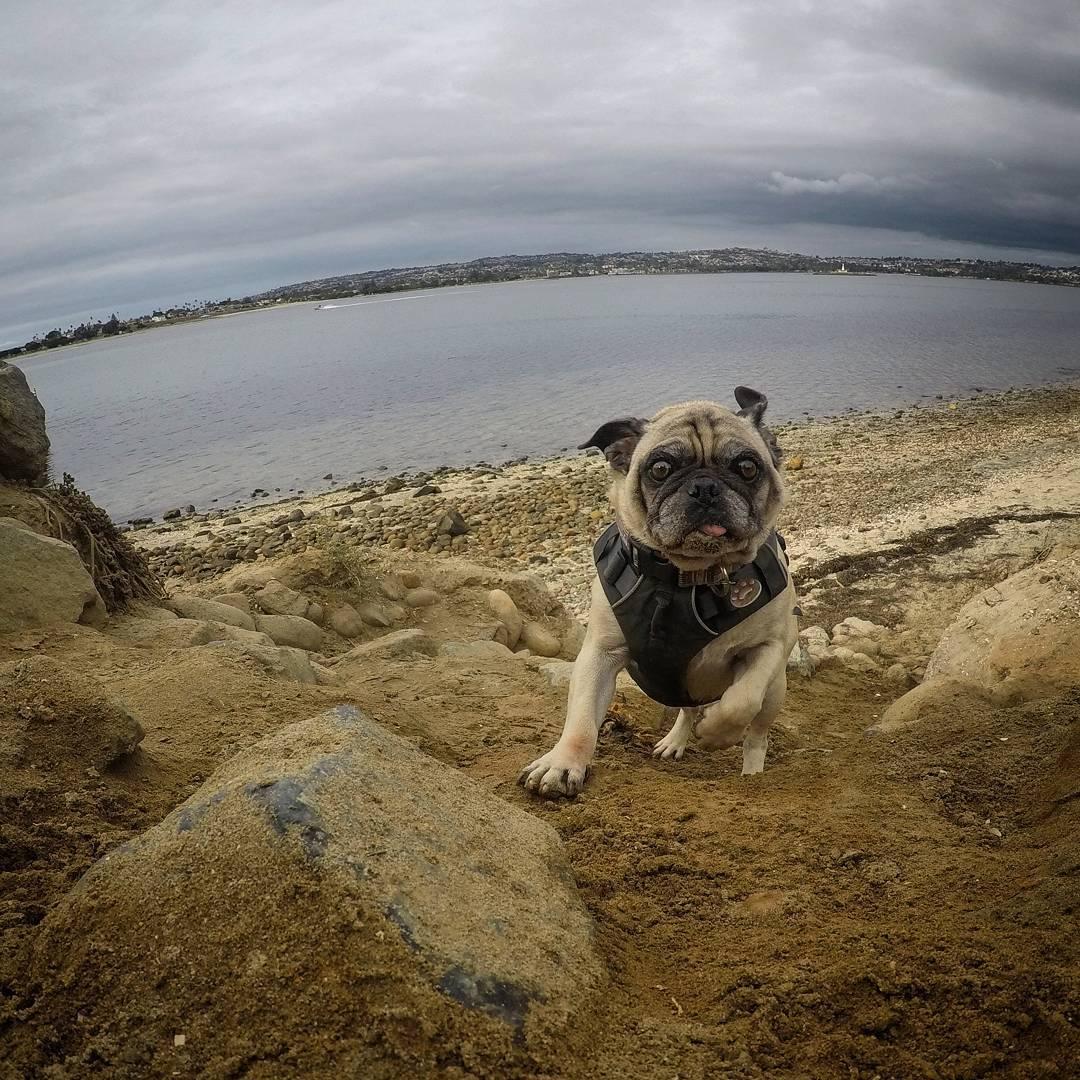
(203, 149)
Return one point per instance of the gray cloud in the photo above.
(155, 153)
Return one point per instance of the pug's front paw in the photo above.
(559, 772)
(673, 745)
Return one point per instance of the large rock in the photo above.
(928, 699)
(290, 630)
(1023, 631)
(181, 633)
(195, 607)
(55, 722)
(278, 661)
(397, 644)
(332, 898)
(506, 611)
(24, 446)
(278, 599)
(43, 581)
(539, 640)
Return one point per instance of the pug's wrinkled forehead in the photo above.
(705, 427)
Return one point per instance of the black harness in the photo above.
(668, 616)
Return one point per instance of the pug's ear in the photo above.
(617, 438)
(752, 403)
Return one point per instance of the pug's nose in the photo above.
(704, 490)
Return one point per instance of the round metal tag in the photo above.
(744, 593)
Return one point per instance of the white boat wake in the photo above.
(384, 300)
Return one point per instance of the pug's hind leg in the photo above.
(756, 741)
(673, 745)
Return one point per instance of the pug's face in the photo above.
(697, 482)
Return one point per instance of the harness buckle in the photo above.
(716, 577)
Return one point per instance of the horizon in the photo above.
(214, 154)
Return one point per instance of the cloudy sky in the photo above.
(159, 152)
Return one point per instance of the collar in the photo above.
(647, 561)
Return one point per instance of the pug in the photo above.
(692, 592)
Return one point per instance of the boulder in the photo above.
(345, 620)
(195, 607)
(1023, 631)
(274, 598)
(180, 633)
(475, 650)
(297, 904)
(506, 611)
(396, 644)
(24, 445)
(926, 699)
(57, 722)
(282, 663)
(373, 615)
(43, 581)
(539, 640)
(237, 600)
(290, 630)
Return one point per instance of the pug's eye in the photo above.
(660, 470)
(746, 468)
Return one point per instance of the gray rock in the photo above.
(171, 515)
(43, 581)
(373, 615)
(180, 633)
(426, 489)
(398, 643)
(290, 630)
(417, 598)
(24, 445)
(452, 524)
(274, 598)
(282, 663)
(345, 620)
(327, 852)
(196, 607)
(237, 600)
(475, 650)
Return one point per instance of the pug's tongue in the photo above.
(714, 530)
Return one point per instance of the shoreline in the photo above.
(867, 479)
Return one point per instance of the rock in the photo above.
(815, 635)
(426, 489)
(54, 720)
(316, 613)
(290, 630)
(374, 615)
(345, 620)
(452, 524)
(557, 672)
(475, 650)
(854, 629)
(573, 639)
(926, 699)
(172, 515)
(237, 600)
(195, 607)
(274, 598)
(417, 598)
(24, 445)
(898, 675)
(854, 661)
(1023, 631)
(410, 580)
(295, 515)
(398, 643)
(505, 610)
(396, 613)
(180, 633)
(43, 581)
(539, 641)
(793, 464)
(282, 663)
(326, 853)
(801, 661)
(393, 589)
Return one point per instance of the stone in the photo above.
(393, 589)
(54, 720)
(557, 673)
(854, 661)
(280, 662)
(1022, 631)
(396, 644)
(295, 515)
(417, 598)
(801, 661)
(326, 853)
(505, 610)
(815, 635)
(898, 675)
(290, 630)
(452, 524)
(373, 615)
(180, 633)
(171, 515)
(854, 628)
(43, 581)
(927, 699)
(426, 489)
(195, 607)
(794, 464)
(475, 650)
(410, 580)
(237, 600)
(24, 444)
(539, 640)
(345, 620)
(316, 613)
(274, 598)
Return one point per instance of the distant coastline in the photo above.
(501, 268)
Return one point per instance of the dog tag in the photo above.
(744, 593)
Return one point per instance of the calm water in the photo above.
(277, 398)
